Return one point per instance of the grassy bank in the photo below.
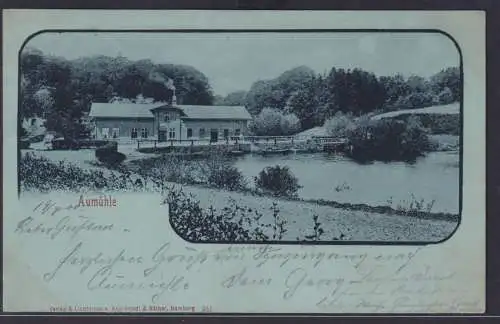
(190, 171)
(247, 214)
(332, 223)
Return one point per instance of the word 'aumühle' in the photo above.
(101, 201)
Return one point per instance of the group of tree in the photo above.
(272, 122)
(314, 98)
(62, 90)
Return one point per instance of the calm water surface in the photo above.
(333, 177)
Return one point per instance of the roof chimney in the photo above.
(174, 99)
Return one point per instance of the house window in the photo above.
(171, 133)
(133, 133)
(167, 118)
(116, 132)
(144, 133)
(226, 133)
(202, 132)
(105, 132)
(190, 132)
(237, 132)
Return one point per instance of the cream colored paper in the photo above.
(71, 270)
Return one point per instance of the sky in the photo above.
(234, 61)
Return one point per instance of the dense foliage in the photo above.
(109, 155)
(314, 98)
(439, 124)
(231, 224)
(39, 173)
(388, 139)
(226, 177)
(61, 90)
(339, 125)
(273, 122)
(278, 181)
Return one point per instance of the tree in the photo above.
(303, 104)
(44, 101)
(236, 98)
(290, 124)
(275, 93)
(272, 122)
(355, 91)
(339, 125)
(446, 96)
(63, 89)
(448, 78)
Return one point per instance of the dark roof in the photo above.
(124, 110)
(133, 110)
(215, 112)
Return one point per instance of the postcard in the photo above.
(243, 162)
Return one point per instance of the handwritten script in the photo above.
(324, 279)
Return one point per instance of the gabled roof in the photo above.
(134, 110)
(123, 110)
(215, 112)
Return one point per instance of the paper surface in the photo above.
(122, 254)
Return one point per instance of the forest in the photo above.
(61, 90)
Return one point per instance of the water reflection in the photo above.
(335, 177)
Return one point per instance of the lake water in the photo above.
(333, 177)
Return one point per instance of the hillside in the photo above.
(450, 109)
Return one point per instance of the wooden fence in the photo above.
(240, 139)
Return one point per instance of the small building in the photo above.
(34, 126)
(164, 122)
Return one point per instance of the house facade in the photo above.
(166, 122)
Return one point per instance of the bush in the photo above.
(112, 158)
(109, 155)
(278, 181)
(226, 177)
(194, 224)
(273, 122)
(441, 124)
(65, 144)
(389, 140)
(339, 125)
(41, 174)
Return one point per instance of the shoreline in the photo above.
(347, 206)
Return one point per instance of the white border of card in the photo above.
(164, 274)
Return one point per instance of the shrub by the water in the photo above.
(112, 158)
(389, 140)
(274, 122)
(339, 125)
(41, 174)
(213, 169)
(109, 155)
(277, 180)
(442, 124)
(226, 177)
